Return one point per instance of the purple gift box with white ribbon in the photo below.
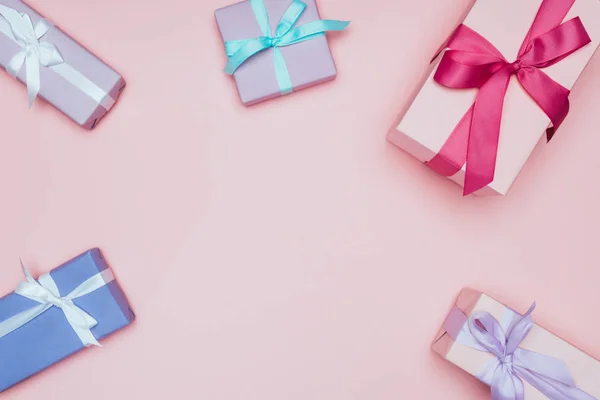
(54, 66)
(43, 321)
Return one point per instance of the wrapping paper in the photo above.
(309, 63)
(426, 123)
(55, 89)
(50, 338)
(584, 368)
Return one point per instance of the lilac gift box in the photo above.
(49, 338)
(309, 63)
(83, 87)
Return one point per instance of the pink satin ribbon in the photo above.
(473, 62)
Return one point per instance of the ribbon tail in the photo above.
(76, 316)
(484, 136)
(32, 65)
(468, 67)
(311, 30)
(15, 64)
(507, 386)
(26, 272)
(86, 336)
(548, 375)
(543, 365)
(488, 371)
(282, 74)
(552, 389)
(453, 154)
(549, 95)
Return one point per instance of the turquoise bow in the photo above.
(286, 34)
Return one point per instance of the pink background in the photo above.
(284, 251)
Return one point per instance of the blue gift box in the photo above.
(49, 338)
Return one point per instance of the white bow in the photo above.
(33, 52)
(45, 292)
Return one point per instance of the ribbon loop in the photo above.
(45, 292)
(553, 46)
(290, 18)
(473, 62)
(513, 365)
(286, 34)
(506, 385)
(488, 333)
(33, 52)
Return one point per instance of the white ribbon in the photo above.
(19, 27)
(45, 292)
(33, 52)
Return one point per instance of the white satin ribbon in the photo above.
(19, 27)
(45, 292)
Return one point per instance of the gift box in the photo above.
(486, 152)
(54, 66)
(45, 321)
(512, 354)
(276, 47)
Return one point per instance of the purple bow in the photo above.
(513, 365)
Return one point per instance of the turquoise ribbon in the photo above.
(286, 34)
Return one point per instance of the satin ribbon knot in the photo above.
(46, 293)
(507, 361)
(471, 61)
(33, 52)
(286, 34)
(56, 301)
(517, 65)
(512, 364)
(274, 42)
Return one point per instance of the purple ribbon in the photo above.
(512, 365)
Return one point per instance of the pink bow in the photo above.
(473, 62)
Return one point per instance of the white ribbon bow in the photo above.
(45, 292)
(33, 52)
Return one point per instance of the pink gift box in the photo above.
(83, 87)
(584, 369)
(309, 63)
(434, 112)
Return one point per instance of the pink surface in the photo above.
(272, 256)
